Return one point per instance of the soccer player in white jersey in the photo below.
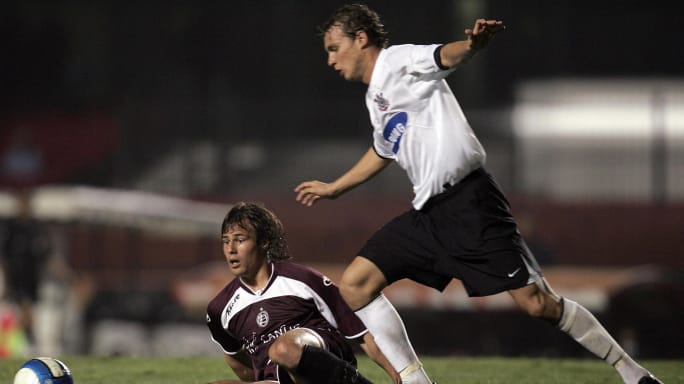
(281, 322)
(460, 225)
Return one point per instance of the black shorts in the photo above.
(466, 232)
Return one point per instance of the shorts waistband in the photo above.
(450, 189)
(473, 174)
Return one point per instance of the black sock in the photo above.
(320, 366)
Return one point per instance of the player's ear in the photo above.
(266, 250)
(362, 38)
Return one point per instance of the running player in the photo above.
(460, 225)
(279, 322)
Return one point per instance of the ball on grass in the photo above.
(43, 370)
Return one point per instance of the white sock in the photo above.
(383, 321)
(582, 326)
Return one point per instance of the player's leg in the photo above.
(302, 352)
(320, 366)
(539, 300)
(361, 286)
(286, 351)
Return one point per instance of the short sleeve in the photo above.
(220, 336)
(423, 60)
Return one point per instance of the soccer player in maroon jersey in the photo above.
(281, 322)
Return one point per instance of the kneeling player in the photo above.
(280, 322)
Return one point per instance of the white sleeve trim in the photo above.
(223, 349)
(352, 337)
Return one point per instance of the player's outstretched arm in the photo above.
(458, 52)
(368, 166)
(368, 345)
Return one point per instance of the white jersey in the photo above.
(418, 122)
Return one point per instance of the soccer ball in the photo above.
(43, 370)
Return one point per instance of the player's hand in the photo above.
(483, 32)
(309, 192)
(396, 379)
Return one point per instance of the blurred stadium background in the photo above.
(130, 128)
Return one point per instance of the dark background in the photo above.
(84, 55)
(105, 89)
(180, 70)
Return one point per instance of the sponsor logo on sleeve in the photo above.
(394, 130)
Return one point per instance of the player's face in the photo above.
(244, 256)
(344, 54)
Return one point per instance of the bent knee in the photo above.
(354, 294)
(277, 350)
(285, 353)
(533, 308)
(361, 282)
(542, 306)
(538, 302)
(351, 284)
(287, 349)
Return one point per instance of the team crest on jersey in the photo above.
(262, 318)
(383, 104)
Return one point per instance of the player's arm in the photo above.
(241, 365)
(368, 345)
(458, 52)
(368, 166)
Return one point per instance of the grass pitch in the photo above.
(444, 370)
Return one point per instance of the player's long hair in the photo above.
(267, 227)
(358, 17)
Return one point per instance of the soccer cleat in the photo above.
(649, 379)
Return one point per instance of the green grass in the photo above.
(444, 370)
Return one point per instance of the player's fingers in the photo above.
(489, 26)
(301, 196)
(309, 199)
(301, 186)
(495, 26)
(480, 25)
(313, 199)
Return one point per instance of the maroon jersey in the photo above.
(294, 297)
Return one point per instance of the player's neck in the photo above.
(260, 279)
(373, 54)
